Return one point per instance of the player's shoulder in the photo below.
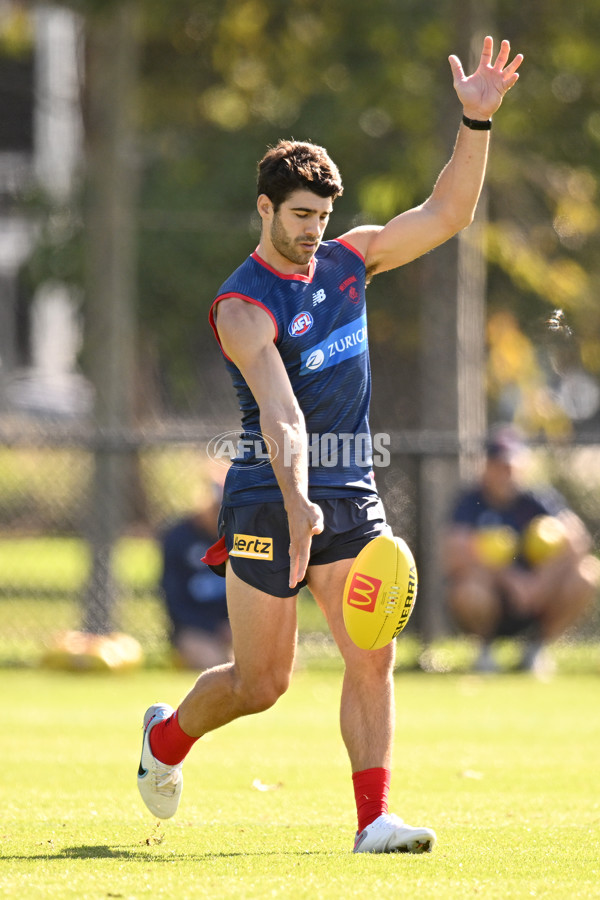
(244, 278)
(470, 495)
(246, 324)
(544, 500)
(468, 504)
(339, 249)
(358, 240)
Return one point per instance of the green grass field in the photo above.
(505, 769)
(42, 581)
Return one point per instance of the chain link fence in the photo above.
(80, 515)
(77, 553)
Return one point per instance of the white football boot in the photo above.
(389, 834)
(159, 784)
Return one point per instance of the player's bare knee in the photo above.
(262, 694)
(371, 665)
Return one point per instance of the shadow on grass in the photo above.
(103, 852)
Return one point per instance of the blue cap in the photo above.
(504, 443)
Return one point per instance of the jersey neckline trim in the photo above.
(306, 278)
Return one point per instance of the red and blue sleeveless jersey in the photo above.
(321, 334)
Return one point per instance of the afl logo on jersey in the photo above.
(300, 324)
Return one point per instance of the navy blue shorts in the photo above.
(258, 540)
(513, 623)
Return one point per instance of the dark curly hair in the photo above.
(297, 165)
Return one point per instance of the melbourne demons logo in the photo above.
(353, 294)
(300, 324)
(363, 592)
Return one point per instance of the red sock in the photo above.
(169, 743)
(371, 788)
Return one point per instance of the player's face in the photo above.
(298, 225)
(499, 480)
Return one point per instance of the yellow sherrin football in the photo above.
(380, 592)
(496, 546)
(544, 538)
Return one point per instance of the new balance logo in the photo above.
(319, 296)
(363, 592)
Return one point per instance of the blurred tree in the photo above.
(220, 80)
(366, 82)
(543, 193)
(244, 74)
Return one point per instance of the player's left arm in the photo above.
(452, 203)
(578, 537)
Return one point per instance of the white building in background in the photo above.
(47, 152)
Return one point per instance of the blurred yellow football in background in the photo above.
(544, 538)
(496, 546)
(78, 651)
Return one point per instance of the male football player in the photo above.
(291, 323)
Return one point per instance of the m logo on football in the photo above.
(363, 592)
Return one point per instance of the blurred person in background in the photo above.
(194, 595)
(517, 561)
